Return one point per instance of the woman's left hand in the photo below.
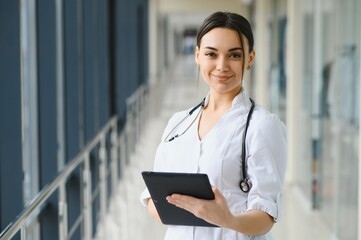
(214, 211)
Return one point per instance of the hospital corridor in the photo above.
(87, 88)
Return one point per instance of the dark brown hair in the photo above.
(228, 20)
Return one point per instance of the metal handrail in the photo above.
(49, 189)
(122, 143)
(134, 117)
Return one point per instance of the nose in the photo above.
(223, 64)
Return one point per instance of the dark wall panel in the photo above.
(74, 100)
(47, 90)
(91, 76)
(112, 52)
(47, 111)
(11, 175)
(122, 49)
(133, 63)
(142, 41)
(131, 48)
(103, 61)
(73, 75)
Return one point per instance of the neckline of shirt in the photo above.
(241, 98)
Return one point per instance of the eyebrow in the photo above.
(230, 50)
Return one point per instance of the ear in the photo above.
(251, 58)
(196, 55)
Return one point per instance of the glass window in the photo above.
(303, 164)
(340, 116)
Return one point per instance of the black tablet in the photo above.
(163, 184)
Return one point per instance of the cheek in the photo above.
(206, 68)
(237, 68)
(205, 75)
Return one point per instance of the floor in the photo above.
(128, 219)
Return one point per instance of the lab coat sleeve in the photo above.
(160, 157)
(266, 165)
(157, 167)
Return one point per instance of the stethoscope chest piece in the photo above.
(245, 185)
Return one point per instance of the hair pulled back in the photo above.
(228, 20)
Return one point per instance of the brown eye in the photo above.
(236, 56)
(210, 54)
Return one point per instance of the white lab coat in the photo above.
(218, 154)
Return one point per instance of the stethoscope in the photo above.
(245, 183)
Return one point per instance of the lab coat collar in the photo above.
(241, 99)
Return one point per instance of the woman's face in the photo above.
(221, 59)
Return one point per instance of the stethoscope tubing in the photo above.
(245, 183)
(201, 104)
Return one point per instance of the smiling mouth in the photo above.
(222, 77)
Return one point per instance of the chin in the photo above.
(226, 89)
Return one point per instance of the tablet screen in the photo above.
(163, 184)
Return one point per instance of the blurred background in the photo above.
(87, 87)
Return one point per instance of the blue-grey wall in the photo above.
(105, 60)
(11, 175)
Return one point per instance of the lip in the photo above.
(222, 77)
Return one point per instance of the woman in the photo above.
(211, 142)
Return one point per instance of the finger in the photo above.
(175, 200)
(182, 198)
(216, 192)
(182, 201)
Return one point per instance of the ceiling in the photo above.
(191, 13)
(199, 6)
